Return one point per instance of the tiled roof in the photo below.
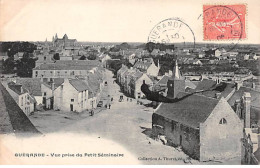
(33, 85)
(190, 111)
(13, 119)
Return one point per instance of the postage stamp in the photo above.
(172, 30)
(224, 22)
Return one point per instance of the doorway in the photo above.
(71, 107)
(180, 140)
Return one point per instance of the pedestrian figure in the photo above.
(109, 106)
(111, 99)
(130, 100)
(127, 99)
(91, 112)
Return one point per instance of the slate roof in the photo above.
(33, 85)
(205, 84)
(190, 84)
(163, 81)
(190, 111)
(255, 96)
(13, 119)
(79, 85)
(255, 105)
(226, 89)
(57, 82)
(69, 65)
(146, 63)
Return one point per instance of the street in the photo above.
(126, 123)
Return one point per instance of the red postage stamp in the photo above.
(224, 22)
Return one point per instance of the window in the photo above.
(22, 102)
(223, 121)
(44, 58)
(72, 100)
(173, 126)
(44, 93)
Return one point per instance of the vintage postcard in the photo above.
(139, 82)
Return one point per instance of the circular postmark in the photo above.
(223, 22)
(172, 30)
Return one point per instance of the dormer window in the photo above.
(223, 121)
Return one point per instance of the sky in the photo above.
(108, 21)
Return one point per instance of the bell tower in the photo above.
(176, 83)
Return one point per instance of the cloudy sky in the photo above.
(107, 21)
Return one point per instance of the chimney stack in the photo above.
(253, 85)
(52, 88)
(217, 95)
(237, 109)
(238, 84)
(246, 109)
(170, 73)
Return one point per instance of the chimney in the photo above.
(170, 73)
(253, 85)
(217, 80)
(237, 109)
(238, 84)
(246, 109)
(217, 95)
(52, 88)
(66, 80)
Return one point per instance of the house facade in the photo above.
(147, 66)
(206, 129)
(21, 96)
(66, 69)
(136, 84)
(72, 95)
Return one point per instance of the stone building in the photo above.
(205, 128)
(63, 42)
(66, 69)
(147, 66)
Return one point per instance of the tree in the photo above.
(25, 66)
(8, 65)
(91, 57)
(103, 49)
(56, 56)
(83, 58)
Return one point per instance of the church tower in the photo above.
(175, 84)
